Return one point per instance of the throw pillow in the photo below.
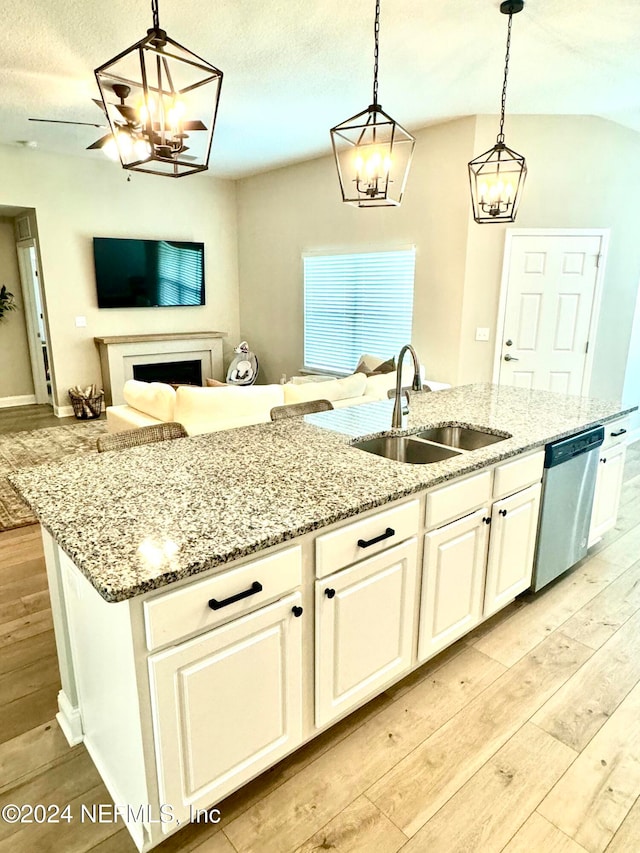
(372, 366)
(214, 383)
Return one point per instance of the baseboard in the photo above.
(69, 720)
(21, 400)
(62, 411)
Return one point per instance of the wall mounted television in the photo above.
(148, 273)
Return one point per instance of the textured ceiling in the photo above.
(294, 68)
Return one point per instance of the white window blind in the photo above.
(356, 304)
(179, 274)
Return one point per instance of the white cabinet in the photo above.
(514, 524)
(364, 629)
(227, 705)
(453, 584)
(606, 499)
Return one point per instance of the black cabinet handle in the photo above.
(365, 543)
(604, 459)
(329, 592)
(487, 520)
(619, 432)
(297, 611)
(214, 604)
(502, 512)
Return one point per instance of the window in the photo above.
(180, 274)
(356, 304)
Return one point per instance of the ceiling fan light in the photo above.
(167, 85)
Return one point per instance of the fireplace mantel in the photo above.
(119, 353)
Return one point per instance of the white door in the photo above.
(34, 319)
(550, 307)
(364, 629)
(227, 705)
(452, 582)
(514, 524)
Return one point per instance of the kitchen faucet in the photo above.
(396, 418)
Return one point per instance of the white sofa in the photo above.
(202, 410)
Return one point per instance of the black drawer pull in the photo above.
(329, 592)
(214, 604)
(619, 432)
(297, 611)
(487, 520)
(364, 543)
(502, 512)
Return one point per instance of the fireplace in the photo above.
(171, 372)
(122, 355)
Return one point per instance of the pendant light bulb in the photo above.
(497, 176)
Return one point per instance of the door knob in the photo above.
(508, 343)
(510, 358)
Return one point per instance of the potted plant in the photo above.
(7, 301)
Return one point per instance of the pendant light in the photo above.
(168, 101)
(373, 152)
(498, 175)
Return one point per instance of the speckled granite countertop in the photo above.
(136, 520)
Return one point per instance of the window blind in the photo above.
(356, 304)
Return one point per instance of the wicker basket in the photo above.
(86, 408)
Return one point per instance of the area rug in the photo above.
(33, 447)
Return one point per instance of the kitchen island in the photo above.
(235, 578)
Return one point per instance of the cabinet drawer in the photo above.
(173, 615)
(516, 475)
(364, 538)
(615, 432)
(458, 499)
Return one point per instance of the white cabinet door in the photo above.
(364, 629)
(227, 705)
(607, 494)
(452, 582)
(514, 524)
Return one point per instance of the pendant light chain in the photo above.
(376, 51)
(503, 103)
(156, 14)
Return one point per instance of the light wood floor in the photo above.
(523, 737)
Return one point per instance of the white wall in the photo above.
(15, 367)
(581, 174)
(76, 199)
(631, 390)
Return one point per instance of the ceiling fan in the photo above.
(134, 132)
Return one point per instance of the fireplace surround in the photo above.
(119, 354)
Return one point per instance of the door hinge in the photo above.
(586, 347)
(598, 261)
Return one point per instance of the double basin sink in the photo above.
(430, 445)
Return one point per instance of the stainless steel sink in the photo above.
(462, 437)
(403, 449)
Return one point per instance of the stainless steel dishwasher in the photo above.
(568, 484)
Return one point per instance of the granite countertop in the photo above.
(136, 520)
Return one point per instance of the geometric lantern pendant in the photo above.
(373, 154)
(497, 176)
(372, 151)
(168, 97)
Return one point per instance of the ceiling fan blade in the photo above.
(61, 121)
(129, 113)
(100, 143)
(196, 124)
(99, 104)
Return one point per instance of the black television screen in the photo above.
(148, 273)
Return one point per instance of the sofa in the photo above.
(210, 409)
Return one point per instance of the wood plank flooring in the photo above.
(524, 737)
